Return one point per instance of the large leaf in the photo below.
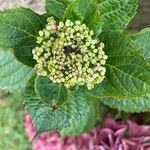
(127, 75)
(13, 74)
(49, 92)
(18, 30)
(46, 118)
(87, 12)
(142, 43)
(88, 121)
(127, 80)
(117, 13)
(57, 7)
(139, 104)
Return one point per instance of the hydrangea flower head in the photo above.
(69, 53)
(112, 136)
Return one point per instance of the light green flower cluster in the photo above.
(68, 53)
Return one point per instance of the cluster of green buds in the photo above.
(69, 53)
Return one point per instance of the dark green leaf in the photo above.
(142, 43)
(128, 74)
(13, 74)
(49, 92)
(139, 104)
(126, 86)
(18, 30)
(46, 118)
(57, 7)
(116, 14)
(87, 12)
(88, 121)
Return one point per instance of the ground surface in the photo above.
(36, 5)
(142, 19)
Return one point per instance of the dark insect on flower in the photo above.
(68, 53)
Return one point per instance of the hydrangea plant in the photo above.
(73, 60)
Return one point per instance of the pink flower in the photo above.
(113, 136)
(54, 26)
(120, 136)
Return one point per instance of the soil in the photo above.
(142, 18)
(36, 5)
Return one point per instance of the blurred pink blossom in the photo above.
(113, 136)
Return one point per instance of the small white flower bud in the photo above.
(87, 44)
(41, 33)
(78, 22)
(67, 23)
(103, 62)
(61, 24)
(91, 32)
(105, 57)
(39, 40)
(95, 51)
(33, 51)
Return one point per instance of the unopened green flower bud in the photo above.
(68, 53)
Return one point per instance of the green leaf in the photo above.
(57, 7)
(127, 75)
(13, 74)
(49, 92)
(116, 14)
(79, 127)
(142, 43)
(139, 104)
(45, 118)
(126, 86)
(87, 12)
(18, 30)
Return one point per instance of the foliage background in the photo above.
(11, 110)
(140, 21)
